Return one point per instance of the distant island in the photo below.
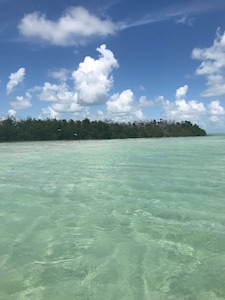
(32, 129)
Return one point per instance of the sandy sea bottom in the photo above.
(118, 219)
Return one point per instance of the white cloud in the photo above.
(213, 65)
(216, 113)
(182, 110)
(15, 79)
(61, 74)
(144, 102)
(64, 100)
(216, 109)
(49, 112)
(55, 92)
(211, 117)
(58, 110)
(122, 107)
(67, 106)
(92, 82)
(181, 92)
(121, 103)
(11, 113)
(21, 102)
(72, 28)
(93, 78)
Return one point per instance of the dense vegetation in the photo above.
(52, 129)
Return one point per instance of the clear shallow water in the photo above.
(118, 219)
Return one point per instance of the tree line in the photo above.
(32, 129)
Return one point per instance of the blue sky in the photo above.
(121, 60)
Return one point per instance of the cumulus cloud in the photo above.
(54, 92)
(93, 78)
(209, 116)
(58, 110)
(21, 102)
(216, 114)
(215, 109)
(63, 99)
(72, 28)
(77, 24)
(92, 82)
(181, 92)
(213, 65)
(121, 103)
(122, 106)
(67, 106)
(11, 113)
(181, 109)
(15, 79)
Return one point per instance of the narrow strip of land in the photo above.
(30, 129)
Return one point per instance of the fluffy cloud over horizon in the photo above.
(216, 113)
(92, 84)
(73, 28)
(49, 67)
(122, 105)
(62, 99)
(20, 102)
(183, 110)
(212, 66)
(192, 110)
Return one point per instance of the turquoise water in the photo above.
(118, 219)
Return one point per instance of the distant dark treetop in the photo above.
(52, 129)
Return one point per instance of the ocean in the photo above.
(125, 219)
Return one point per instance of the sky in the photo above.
(116, 60)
